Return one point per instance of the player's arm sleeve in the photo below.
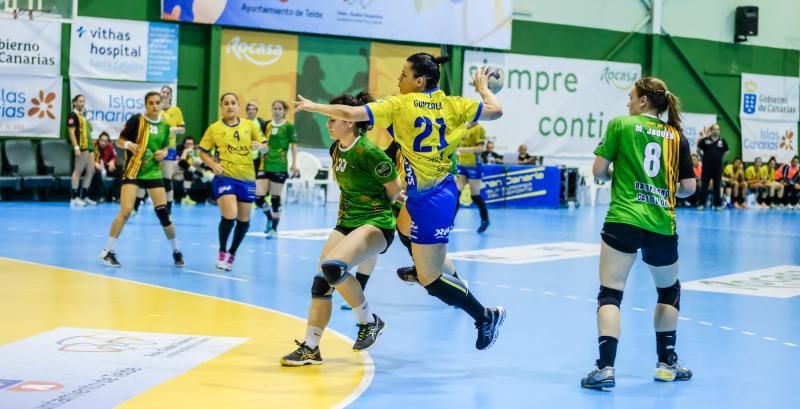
(381, 111)
(130, 129)
(470, 109)
(609, 146)
(685, 168)
(292, 133)
(179, 117)
(380, 166)
(207, 143)
(72, 120)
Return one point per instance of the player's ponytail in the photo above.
(661, 99)
(427, 66)
(361, 99)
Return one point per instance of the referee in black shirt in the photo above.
(712, 149)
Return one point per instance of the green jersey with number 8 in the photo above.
(649, 158)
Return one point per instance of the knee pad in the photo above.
(163, 215)
(406, 241)
(167, 185)
(609, 296)
(260, 202)
(670, 295)
(320, 287)
(276, 203)
(334, 271)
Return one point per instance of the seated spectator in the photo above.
(490, 156)
(194, 171)
(775, 198)
(790, 176)
(733, 182)
(758, 176)
(524, 158)
(105, 165)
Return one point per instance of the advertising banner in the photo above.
(696, 126)
(770, 97)
(30, 106)
(769, 138)
(30, 48)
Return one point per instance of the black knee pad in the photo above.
(320, 287)
(609, 296)
(163, 215)
(670, 295)
(167, 185)
(260, 202)
(334, 271)
(276, 203)
(406, 242)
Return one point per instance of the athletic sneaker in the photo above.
(77, 202)
(187, 201)
(229, 262)
(109, 258)
(674, 372)
(484, 226)
(221, 260)
(368, 334)
(700, 207)
(89, 202)
(408, 274)
(599, 378)
(272, 234)
(346, 307)
(178, 257)
(268, 227)
(489, 329)
(303, 355)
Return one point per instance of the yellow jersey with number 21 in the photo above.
(428, 127)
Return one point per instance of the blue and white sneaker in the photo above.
(674, 372)
(599, 378)
(489, 329)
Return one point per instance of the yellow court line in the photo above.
(248, 376)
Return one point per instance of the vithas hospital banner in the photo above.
(559, 107)
(124, 50)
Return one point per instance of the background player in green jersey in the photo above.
(145, 139)
(652, 167)
(282, 137)
(365, 228)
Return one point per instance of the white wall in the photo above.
(779, 20)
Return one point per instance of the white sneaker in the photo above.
(89, 202)
(272, 234)
(222, 259)
(77, 202)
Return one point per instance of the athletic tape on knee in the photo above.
(320, 287)
(670, 295)
(334, 271)
(163, 215)
(609, 296)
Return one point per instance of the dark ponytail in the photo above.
(661, 99)
(427, 66)
(361, 99)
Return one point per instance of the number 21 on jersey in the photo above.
(427, 129)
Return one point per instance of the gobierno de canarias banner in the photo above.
(477, 23)
(124, 50)
(30, 48)
(559, 107)
(770, 110)
(30, 106)
(109, 104)
(265, 67)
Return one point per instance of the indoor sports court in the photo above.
(576, 168)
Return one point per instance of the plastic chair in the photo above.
(590, 183)
(22, 162)
(7, 181)
(301, 189)
(57, 158)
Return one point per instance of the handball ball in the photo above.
(496, 78)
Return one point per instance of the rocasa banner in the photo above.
(30, 48)
(477, 23)
(110, 103)
(770, 97)
(124, 50)
(30, 106)
(766, 139)
(696, 126)
(559, 107)
(264, 67)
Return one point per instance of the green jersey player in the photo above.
(365, 226)
(652, 167)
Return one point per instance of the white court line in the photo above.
(591, 300)
(212, 245)
(503, 286)
(56, 231)
(525, 289)
(747, 333)
(286, 255)
(216, 275)
(97, 235)
(789, 344)
(34, 230)
(639, 309)
(726, 328)
(705, 323)
(376, 268)
(769, 339)
(251, 250)
(195, 244)
(571, 297)
(684, 318)
(269, 252)
(306, 258)
(478, 282)
(548, 293)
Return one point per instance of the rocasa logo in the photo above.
(43, 105)
(620, 79)
(257, 53)
(104, 33)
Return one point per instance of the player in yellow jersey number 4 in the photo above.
(428, 125)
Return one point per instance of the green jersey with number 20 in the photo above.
(649, 158)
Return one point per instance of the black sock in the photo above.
(83, 192)
(453, 292)
(362, 279)
(238, 235)
(665, 347)
(768, 200)
(137, 203)
(169, 207)
(74, 193)
(275, 221)
(225, 227)
(481, 207)
(608, 351)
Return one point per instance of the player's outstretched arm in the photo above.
(491, 104)
(343, 112)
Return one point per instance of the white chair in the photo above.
(302, 189)
(588, 182)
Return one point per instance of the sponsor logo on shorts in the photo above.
(224, 189)
(441, 233)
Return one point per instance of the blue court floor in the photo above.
(744, 349)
